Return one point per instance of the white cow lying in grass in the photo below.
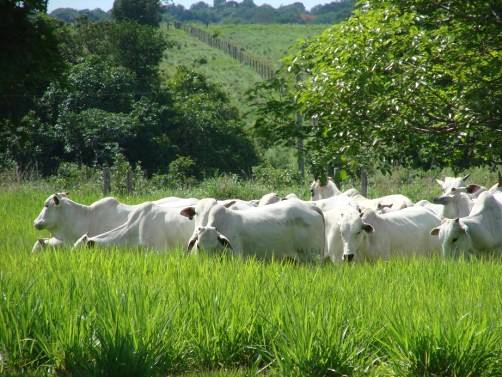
(68, 220)
(283, 230)
(150, 225)
(371, 236)
(477, 234)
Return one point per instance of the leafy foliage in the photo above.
(144, 12)
(403, 82)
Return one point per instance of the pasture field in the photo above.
(217, 66)
(257, 38)
(140, 313)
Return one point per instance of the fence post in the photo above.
(130, 184)
(107, 188)
(364, 182)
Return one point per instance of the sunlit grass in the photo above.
(140, 313)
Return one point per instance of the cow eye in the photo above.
(46, 206)
(454, 240)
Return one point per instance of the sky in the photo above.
(107, 4)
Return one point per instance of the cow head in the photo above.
(452, 182)
(455, 238)
(322, 190)
(354, 230)
(50, 215)
(208, 239)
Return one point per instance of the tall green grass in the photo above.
(140, 313)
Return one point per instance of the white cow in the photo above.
(68, 220)
(319, 191)
(333, 218)
(371, 236)
(451, 183)
(269, 199)
(478, 234)
(150, 225)
(288, 229)
(455, 204)
(393, 202)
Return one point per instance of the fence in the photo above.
(264, 69)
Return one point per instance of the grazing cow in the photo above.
(68, 220)
(320, 191)
(288, 229)
(456, 204)
(150, 225)
(390, 203)
(478, 234)
(371, 236)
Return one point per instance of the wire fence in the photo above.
(263, 68)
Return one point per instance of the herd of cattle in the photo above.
(338, 226)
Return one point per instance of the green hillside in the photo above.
(271, 41)
(219, 67)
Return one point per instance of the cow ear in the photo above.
(467, 176)
(435, 232)
(191, 244)
(55, 199)
(471, 189)
(188, 212)
(368, 228)
(224, 241)
(229, 204)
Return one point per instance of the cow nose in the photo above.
(348, 257)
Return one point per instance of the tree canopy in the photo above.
(404, 82)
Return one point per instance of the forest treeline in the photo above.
(400, 83)
(223, 11)
(90, 93)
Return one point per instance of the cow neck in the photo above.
(75, 222)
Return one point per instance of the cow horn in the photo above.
(467, 176)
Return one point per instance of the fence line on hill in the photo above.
(264, 69)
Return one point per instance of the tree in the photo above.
(145, 12)
(405, 82)
(206, 126)
(29, 60)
